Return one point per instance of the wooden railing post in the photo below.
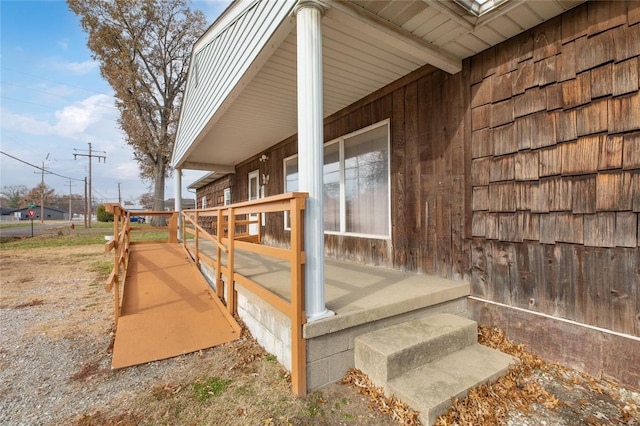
(173, 228)
(184, 229)
(231, 297)
(220, 235)
(116, 222)
(260, 216)
(117, 217)
(197, 238)
(297, 314)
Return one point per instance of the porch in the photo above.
(263, 285)
(363, 298)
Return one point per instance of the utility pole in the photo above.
(86, 206)
(42, 191)
(70, 213)
(90, 155)
(119, 195)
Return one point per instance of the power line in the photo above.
(52, 108)
(40, 168)
(22, 72)
(101, 155)
(48, 93)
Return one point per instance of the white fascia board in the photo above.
(228, 17)
(216, 168)
(358, 18)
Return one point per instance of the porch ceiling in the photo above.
(367, 44)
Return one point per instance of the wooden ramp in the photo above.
(167, 308)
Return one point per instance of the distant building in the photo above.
(6, 211)
(50, 213)
(187, 203)
(6, 214)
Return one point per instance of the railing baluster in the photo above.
(220, 232)
(197, 239)
(298, 345)
(184, 229)
(231, 302)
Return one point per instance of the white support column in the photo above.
(178, 198)
(310, 150)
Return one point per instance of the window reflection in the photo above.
(356, 183)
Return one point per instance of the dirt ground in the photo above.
(56, 332)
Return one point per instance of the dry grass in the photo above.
(234, 384)
(34, 302)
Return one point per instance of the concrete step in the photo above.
(390, 352)
(429, 388)
(427, 361)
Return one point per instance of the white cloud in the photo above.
(23, 123)
(64, 44)
(93, 119)
(77, 68)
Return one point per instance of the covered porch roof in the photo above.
(241, 91)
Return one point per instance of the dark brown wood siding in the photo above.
(214, 195)
(427, 175)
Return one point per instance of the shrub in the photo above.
(102, 214)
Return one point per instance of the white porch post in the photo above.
(310, 150)
(178, 198)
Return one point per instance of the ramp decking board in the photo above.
(167, 308)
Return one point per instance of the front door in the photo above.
(254, 194)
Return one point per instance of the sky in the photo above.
(53, 103)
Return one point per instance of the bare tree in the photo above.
(143, 47)
(41, 192)
(147, 200)
(14, 194)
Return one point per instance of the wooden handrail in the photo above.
(226, 219)
(227, 239)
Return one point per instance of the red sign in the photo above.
(32, 213)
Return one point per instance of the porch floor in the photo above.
(358, 294)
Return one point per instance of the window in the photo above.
(356, 183)
(227, 196)
(204, 202)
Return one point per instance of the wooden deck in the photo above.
(167, 308)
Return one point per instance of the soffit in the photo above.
(366, 45)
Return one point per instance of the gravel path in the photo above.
(55, 337)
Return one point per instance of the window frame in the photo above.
(343, 211)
